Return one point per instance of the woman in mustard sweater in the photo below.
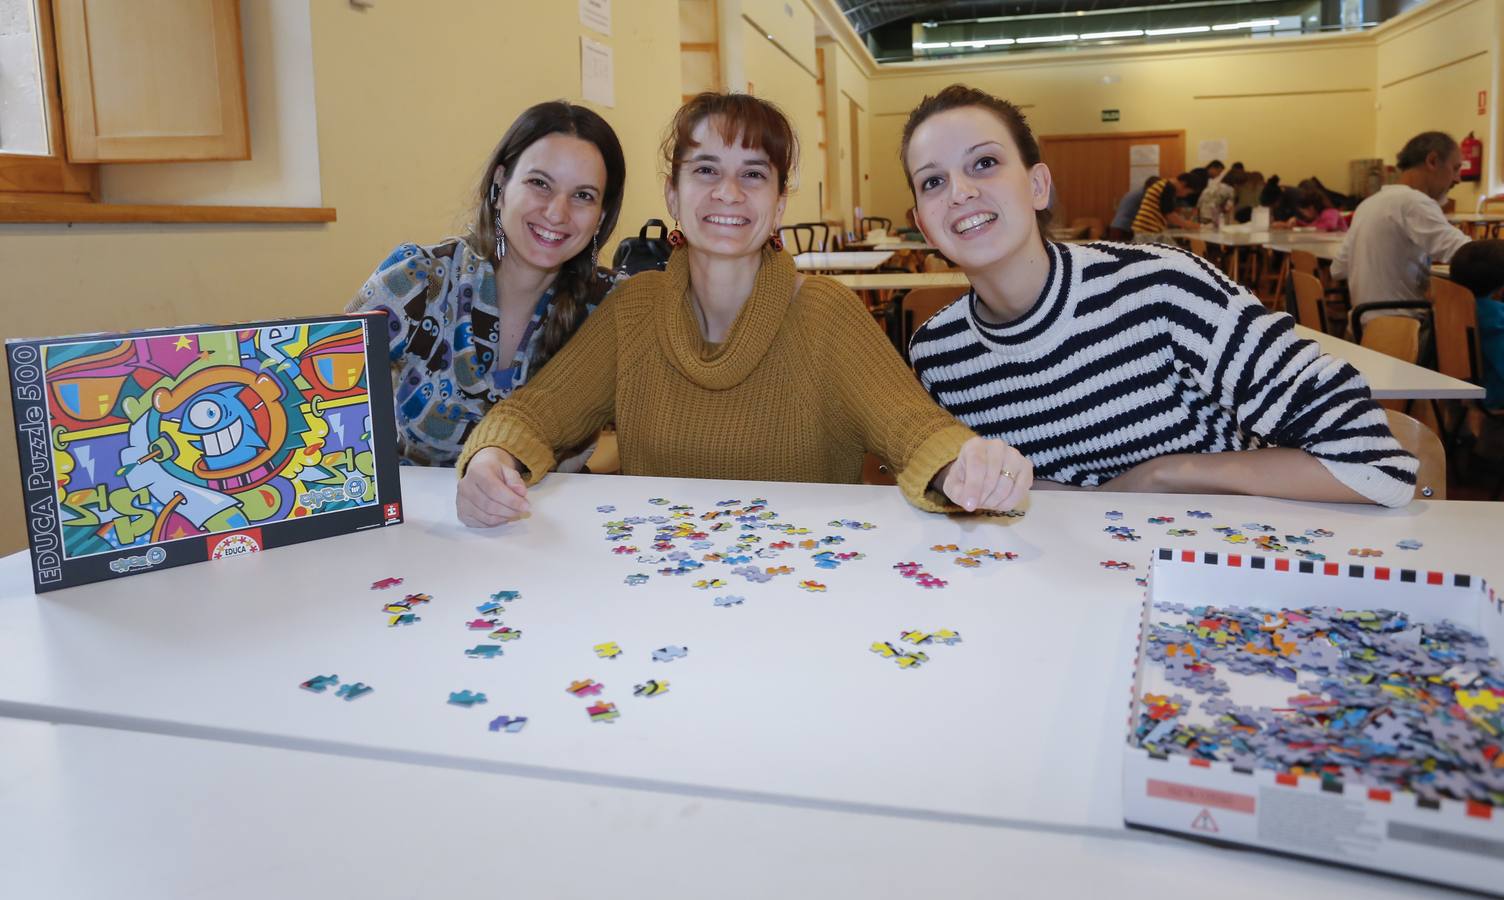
(730, 364)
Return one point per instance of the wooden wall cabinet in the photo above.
(151, 80)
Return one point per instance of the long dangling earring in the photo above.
(595, 250)
(775, 240)
(676, 237)
(501, 236)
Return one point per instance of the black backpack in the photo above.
(641, 253)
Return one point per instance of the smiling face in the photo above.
(975, 197)
(551, 201)
(726, 197)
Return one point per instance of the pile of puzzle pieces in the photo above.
(1384, 701)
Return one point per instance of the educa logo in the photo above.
(237, 544)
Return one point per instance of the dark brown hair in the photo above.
(576, 285)
(757, 123)
(960, 96)
(1419, 148)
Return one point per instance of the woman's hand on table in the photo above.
(492, 492)
(987, 474)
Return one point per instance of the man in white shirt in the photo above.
(1399, 232)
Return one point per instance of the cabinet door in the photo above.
(152, 80)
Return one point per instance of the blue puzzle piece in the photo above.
(729, 600)
(489, 606)
(484, 651)
(634, 580)
(1198, 514)
(508, 723)
(466, 698)
(354, 691)
(319, 683)
(669, 653)
(606, 508)
(1409, 544)
(1114, 514)
(503, 596)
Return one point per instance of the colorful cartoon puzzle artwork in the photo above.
(151, 449)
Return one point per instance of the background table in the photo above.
(1389, 378)
(865, 260)
(219, 821)
(902, 281)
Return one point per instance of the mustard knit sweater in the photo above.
(801, 387)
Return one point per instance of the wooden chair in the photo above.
(820, 235)
(1455, 314)
(1431, 478)
(921, 303)
(868, 222)
(1198, 247)
(797, 238)
(1305, 261)
(1396, 336)
(1308, 297)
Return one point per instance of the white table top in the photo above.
(902, 281)
(289, 824)
(1390, 378)
(854, 261)
(1475, 217)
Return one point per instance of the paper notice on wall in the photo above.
(596, 15)
(597, 78)
(1216, 148)
(1138, 174)
(1144, 155)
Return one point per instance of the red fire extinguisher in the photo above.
(1472, 158)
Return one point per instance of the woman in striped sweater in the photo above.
(1135, 368)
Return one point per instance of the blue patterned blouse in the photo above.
(443, 321)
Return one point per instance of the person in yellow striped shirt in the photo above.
(1156, 212)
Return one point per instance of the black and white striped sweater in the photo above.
(1135, 352)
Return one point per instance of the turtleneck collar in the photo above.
(1019, 335)
(725, 365)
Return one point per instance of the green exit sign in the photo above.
(1109, 115)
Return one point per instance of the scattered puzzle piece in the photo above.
(505, 634)
(353, 691)
(1409, 544)
(508, 723)
(608, 650)
(385, 583)
(482, 624)
(730, 600)
(466, 697)
(635, 579)
(812, 586)
(650, 688)
(319, 683)
(586, 688)
(1365, 552)
(484, 651)
(669, 653)
(403, 619)
(602, 712)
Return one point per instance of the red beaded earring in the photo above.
(775, 241)
(676, 237)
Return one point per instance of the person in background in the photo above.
(730, 364)
(1121, 228)
(1126, 367)
(1157, 213)
(1219, 200)
(1479, 267)
(472, 318)
(1397, 233)
(1314, 209)
(1215, 170)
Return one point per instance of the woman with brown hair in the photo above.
(730, 364)
(473, 318)
(1115, 366)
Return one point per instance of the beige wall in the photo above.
(783, 78)
(1292, 107)
(1295, 106)
(400, 147)
(1431, 64)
